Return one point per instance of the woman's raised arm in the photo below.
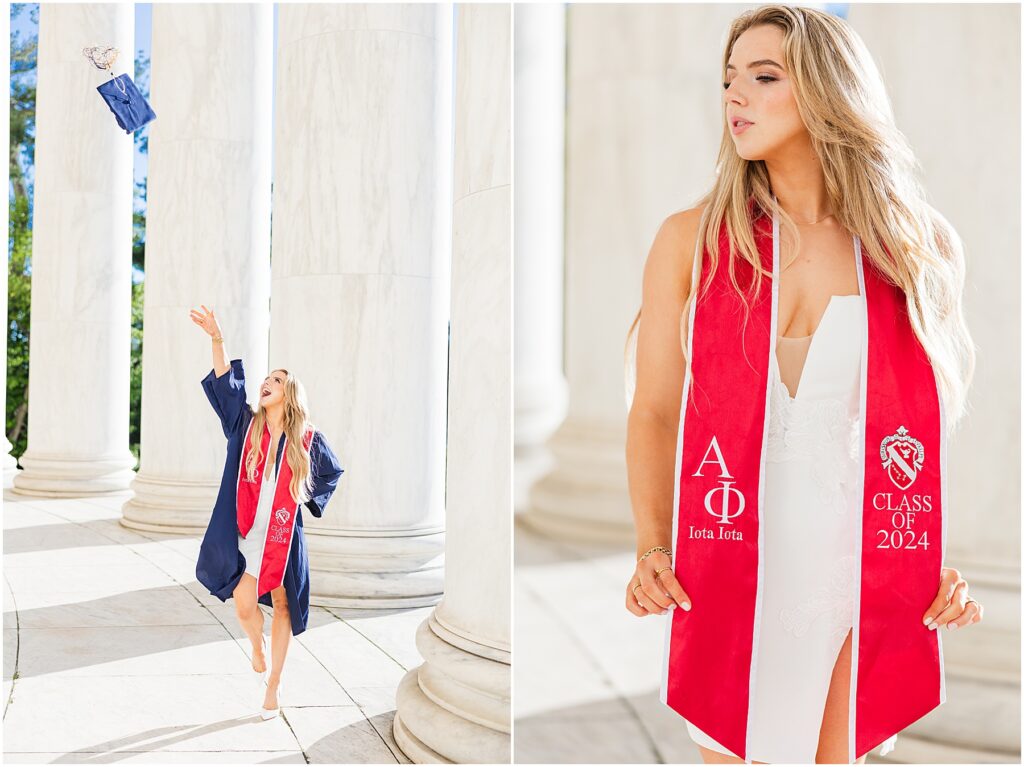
(207, 320)
(226, 393)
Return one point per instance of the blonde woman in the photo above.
(803, 357)
(254, 549)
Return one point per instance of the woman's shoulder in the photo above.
(674, 248)
(683, 224)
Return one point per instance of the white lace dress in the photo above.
(252, 545)
(810, 531)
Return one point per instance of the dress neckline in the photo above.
(811, 338)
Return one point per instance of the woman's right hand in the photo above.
(657, 591)
(207, 320)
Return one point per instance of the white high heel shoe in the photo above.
(270, 713)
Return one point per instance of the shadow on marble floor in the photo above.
(114, 652)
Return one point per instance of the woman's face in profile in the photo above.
(761, 94)
(272, 389)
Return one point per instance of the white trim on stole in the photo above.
(759, 598)
(859, 538)
(943, 434)
(295, 514)
(277, 479)
(694, 285)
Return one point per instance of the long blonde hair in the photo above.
(296, 421)
(870, 178)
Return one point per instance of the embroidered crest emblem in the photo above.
(902, 456)
(282, 516)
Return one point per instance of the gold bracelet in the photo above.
(652, 550)
(218, 338)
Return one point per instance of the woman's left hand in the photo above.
(953, 606)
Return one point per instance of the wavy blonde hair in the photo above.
(296, 421)
(870, 178)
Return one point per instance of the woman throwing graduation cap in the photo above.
(277, 461)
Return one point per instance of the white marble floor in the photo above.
(586, 671)
(113, 651)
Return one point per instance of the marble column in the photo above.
(361, 244)
(80, 344)
(642, 134)
(980, 722)
(541, 391)
(456, 706)
(207, 242)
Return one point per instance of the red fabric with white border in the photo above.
(711, 650)
(283, 513)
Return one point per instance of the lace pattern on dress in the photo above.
(834, 599)
(888, 745)
(818, 431)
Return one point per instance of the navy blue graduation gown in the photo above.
(220, 565)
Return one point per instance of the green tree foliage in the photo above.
(139, 266)
(21, 156)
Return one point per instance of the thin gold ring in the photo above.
(659, 572)
(638, 585)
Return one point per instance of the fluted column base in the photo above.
(348, 568)
(355, 568)
(52, 477)
(586, 496)
(541, 404)
(531, 463)
(456, 706)
(169, 505)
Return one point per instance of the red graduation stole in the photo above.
(285, 509)
(712, 651)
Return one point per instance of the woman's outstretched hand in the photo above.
(953, 606)
(207, 320)
(653, 589)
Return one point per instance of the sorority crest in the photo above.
(282, 516)
(902, 456)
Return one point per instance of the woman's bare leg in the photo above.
(834, 738)
(280, 635)
(250, 617)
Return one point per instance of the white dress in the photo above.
(252, 546)
(810, 528)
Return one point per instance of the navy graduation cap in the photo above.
(130, 109)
